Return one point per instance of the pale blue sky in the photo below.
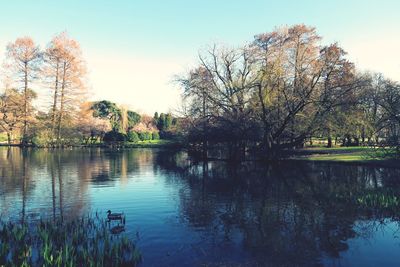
(134, 48)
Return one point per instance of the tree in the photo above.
(218, 91)
(108, 110)
(272, 94)
(390, 105)
(91, 128)
(53, 57)
(164, 121)
(133, 119)
(300, 82)
(72, 76)
(23, 59)
(12, 112)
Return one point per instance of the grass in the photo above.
(341, 149)
(86, 241)
(340, 157)
(347, 154)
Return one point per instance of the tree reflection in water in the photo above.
(289, 212)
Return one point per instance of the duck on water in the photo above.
(115, 216)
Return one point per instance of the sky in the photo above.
(135, 49)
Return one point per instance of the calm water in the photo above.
(184, 213)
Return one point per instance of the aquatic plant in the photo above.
(380, 200)
(86, 241)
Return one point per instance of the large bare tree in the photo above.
(23, 60)
(273, 93)
(65, 72)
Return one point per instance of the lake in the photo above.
(187, 213)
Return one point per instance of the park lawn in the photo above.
(346, 154)
(341, 149)
(348, 157)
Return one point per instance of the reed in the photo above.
(86, 241)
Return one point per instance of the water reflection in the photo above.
(190, 213)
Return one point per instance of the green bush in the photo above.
(113, 136)
(143, 136)
(43, 138)
(132, 137)
(3, 137)
(155, 136)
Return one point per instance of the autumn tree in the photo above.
(72, 71)
(12, 113)
(300, 82)
(90, 127)
(272, 94)
(23, 60)
(53, 56)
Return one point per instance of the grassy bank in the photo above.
(82, 242)
(365, 155)
(161, 143)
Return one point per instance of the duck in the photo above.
(114, 216)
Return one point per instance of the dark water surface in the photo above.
(184, 213)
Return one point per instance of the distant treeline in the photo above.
(63, 116)
(278, 92)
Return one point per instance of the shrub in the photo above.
(42, 138)
(141, 136)
(144, 136)
(148, 135)
(133, 137)
(155, 136)
(113, 136)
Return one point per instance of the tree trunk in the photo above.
(357, 141)
(329, 138)
(53, 119)
(25, 128)
(60, 118)
(205, 141)
(9, 138)
(363, 137)
(329, 141)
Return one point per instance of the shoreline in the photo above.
(338, 155)
(142, 144)
(346, 155)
